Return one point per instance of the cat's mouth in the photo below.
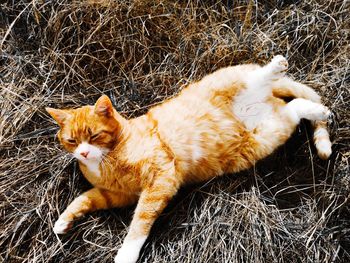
(87, 159)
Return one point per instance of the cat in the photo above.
(221, 124)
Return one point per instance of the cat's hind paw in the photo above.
(306, 109)
(324, 149)
(277, 67)
(322, 141)
(318, 113)
(62, 226)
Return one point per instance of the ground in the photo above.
(291, 207)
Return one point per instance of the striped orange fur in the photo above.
(221, 124)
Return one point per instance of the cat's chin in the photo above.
(90, 160)
(93, 165)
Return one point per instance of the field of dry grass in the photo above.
(292, 207)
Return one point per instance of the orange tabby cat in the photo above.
(221, 124)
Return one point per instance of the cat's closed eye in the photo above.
(71, 141)
(95, 136)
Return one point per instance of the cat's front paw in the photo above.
(130, 250)
(125, 256)
(62, 226)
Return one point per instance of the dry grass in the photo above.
(291, 207)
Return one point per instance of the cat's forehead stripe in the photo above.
(79, 124)
(83, 124)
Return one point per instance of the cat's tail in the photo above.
(288, 88)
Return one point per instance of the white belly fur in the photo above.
(251, 107)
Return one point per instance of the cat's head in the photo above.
(88, 132)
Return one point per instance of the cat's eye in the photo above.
(72, 141)
(95, 136)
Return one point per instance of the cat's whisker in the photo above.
(106, 164)
(106, 161)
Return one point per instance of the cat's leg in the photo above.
(306, 109)
(277, 68)
(150, 205)
(276, 128)
(264, 76)
(321, 139)
(318, 115)
(250, 104)
(258, 82)
(92, 200)
(288, 88)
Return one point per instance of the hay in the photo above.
(292, 207)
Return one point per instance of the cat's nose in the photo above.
(84, 154)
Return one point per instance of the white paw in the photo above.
(318, 113)
(324, 149)
(62, 226)
(309, 110)
(130, 250)
(126, 256)
(278, 66)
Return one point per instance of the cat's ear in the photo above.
(104, 107)
(58, 115)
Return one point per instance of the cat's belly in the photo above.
(217, 146)
(252, 115)
(252, 108)
(207, 139)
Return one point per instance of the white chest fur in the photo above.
(93, 166)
